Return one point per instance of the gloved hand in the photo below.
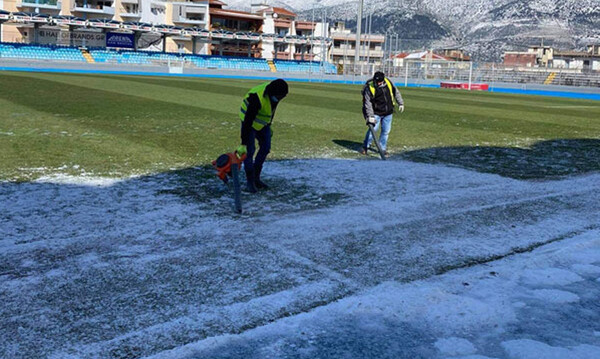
(371, 121)
(401, 108)
(241, 150)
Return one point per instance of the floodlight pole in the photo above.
(312, 42)
(470, 74)
(370, 17)
(358, 31)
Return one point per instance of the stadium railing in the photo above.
(422, 71)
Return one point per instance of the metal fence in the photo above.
(427, 72)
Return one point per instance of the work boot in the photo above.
(250, 184)
(259, 184)
(364, 150)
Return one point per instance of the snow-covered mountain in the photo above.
(485, 28)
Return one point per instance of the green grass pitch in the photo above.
(124, 125)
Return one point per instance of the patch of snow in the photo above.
(531, 349)
(429, 304)
(584, 269)
(455, 346)
(79, 180)
(555, 296)
(318, 262)
(549, 277)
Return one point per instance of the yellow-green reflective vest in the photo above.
(390, 87)
(265, 113)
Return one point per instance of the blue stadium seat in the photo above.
(101, 55)
(304, 66)
(41, 52)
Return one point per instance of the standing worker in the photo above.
(379, 98)
(257, 112)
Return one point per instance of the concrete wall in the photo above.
(149, 17)
(9, 5)
(268, 45)
(322, 53)
(11, 33)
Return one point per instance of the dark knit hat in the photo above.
(278, 88)
(379, 76)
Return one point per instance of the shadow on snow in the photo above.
(543, 160)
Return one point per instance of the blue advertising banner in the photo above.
(119, 39)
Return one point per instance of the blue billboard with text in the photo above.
(119, 39)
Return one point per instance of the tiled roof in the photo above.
(235, 13)
(279, 11)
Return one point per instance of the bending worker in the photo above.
(379, 98)
(257, 112)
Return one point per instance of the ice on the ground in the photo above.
(549, 277)
(586, 269)
(555, 296)
(531, 349)
(455, 346)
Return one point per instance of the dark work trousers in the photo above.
(264, 147)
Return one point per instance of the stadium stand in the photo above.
(112, 56)
(304, 66)
(207, 62)
(231, 63)
(131, 57)
(40, 52)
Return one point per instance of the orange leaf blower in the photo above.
(229, 165)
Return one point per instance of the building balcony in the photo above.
(93, 9)
(131, 15)
(351, 38)
(185, 20)
(342, 52)
(195, 9)
(351, 52)
(284, 24)
(305, 25)
(283, 55)
(307, 56)
(41, 4)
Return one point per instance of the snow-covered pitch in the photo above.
(340, 259)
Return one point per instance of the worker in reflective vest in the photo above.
(380, 97)
(256, 114)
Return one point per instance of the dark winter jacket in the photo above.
(382, 103)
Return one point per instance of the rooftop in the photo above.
(234, 14)
(278, 11)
